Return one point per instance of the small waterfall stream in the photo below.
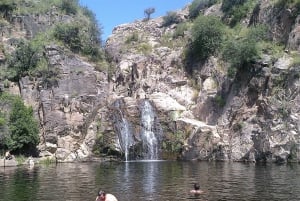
(150, 131)
(123, 129)
(146, 144)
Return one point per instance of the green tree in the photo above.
(207, 36)
(3, 128)
(23, 127)
(25, 58)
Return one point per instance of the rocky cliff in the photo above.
(253, 116)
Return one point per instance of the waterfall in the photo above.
(123, 129)
(149, 131)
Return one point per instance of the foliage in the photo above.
(243, 49)
(198, 5)
(19, 129)
(148, 12)
(180, 29)
(3, 126)
(29, 59)
(207, 36)
(134, 37)
(82, 33)
(171, 18)
(295, 58)
(24, 59)
(23, 127)
(7, 7)
(2, 121)
(240, 52)
(90, 36)
(79, 40)
(69, 35)
(228, 5)
(235, 10)
(220, 101)
(20, 159)
(144, 48)
(69, 6)
(35, 7)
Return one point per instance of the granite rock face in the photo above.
(67, 106)
(212, 116)
(207, 116)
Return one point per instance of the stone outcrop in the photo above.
(218, 118)
(209, 116)
(66, 105)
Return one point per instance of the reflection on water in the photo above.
(151, 180)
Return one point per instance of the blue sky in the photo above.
(111, 13)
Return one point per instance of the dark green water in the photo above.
(160, 180)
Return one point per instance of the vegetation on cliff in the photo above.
(233, 47)
(68, 25)
(227, 50)
(19, 129)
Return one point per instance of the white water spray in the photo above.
(124, 131)
(150, 142)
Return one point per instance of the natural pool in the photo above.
(151, 180)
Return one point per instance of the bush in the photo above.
(171, 18)
(94, 29)
(228, 5)
(242, 51)
(134, 37)
(198, 5)
(207, 36)
(23, 127)
(7, 7)
(236, 10)
(80, 40)
(5, 101)
(19, 129)
(69, 6)
(180, 29)
(144, 48)
(69, 35)
(26, 7)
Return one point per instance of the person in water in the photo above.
(196, 190)
(102, 196)
(8, 156)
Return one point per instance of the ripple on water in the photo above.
(152, 180)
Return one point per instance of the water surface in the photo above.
(151, 180)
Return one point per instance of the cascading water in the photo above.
(150, 131)
(122, 127)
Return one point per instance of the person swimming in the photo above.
(196, 190)
(102, 196)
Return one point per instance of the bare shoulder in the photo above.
(110, 197)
